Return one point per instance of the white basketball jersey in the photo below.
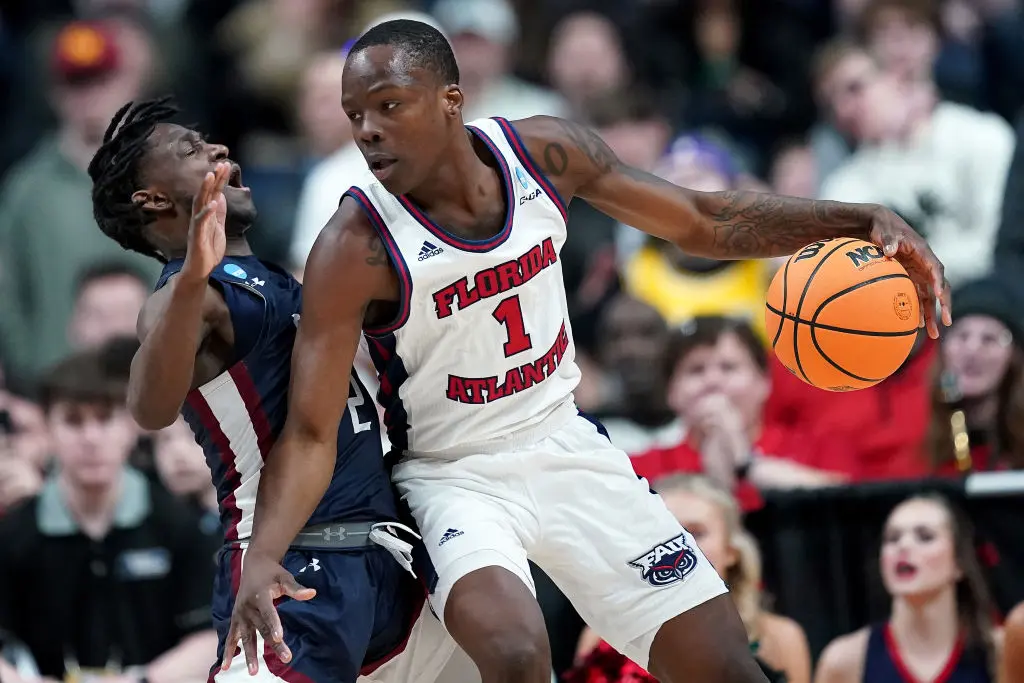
(481, 347)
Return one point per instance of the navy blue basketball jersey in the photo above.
(237, 416)
(884, 664)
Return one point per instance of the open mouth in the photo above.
(905, 570)
(235, 177)
(380, 166)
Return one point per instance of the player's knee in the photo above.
(516, 655)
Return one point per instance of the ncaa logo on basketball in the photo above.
(666, 563)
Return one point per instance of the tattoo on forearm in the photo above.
(597, 152)
(378, 253)
(749, 224)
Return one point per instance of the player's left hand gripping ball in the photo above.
(899, 241)
(263, 581)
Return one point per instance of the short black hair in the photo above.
(424, 43)
(102, 270)
(115, 173)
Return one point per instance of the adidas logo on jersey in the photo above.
(449, 535)
(428, 250)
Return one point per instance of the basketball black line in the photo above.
(799, 305)
(836, 328)
(840, 293)
(785, 294)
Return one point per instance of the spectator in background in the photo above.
(482, 34)
(181, 465)
(794, 171)
(1009, 247)
(677, 284)
(978, 413)
(718, 387)
(107, 304)
(1011, 666)
(940, 626)
(24, 446)
(47, 233)
(708, 512)
(113, 573)
(632, 343)
(941, 166)
(587, 59)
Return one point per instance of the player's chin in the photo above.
(241, 216)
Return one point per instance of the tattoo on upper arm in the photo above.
(597, 152)
(378, 253)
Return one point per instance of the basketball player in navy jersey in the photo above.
(445, 255)
(217, 339)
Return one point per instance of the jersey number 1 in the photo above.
(510, 314)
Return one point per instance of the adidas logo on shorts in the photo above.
(428, 250)
(449, 535)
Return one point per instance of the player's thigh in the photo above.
(328, 636)
(707, 643)
(428, 655)
(476, 530)
(468, 526)
(612, 546)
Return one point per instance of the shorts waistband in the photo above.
(514, 441)
(327, 536)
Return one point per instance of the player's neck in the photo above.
(927, 623)
(92, 508)
(453, 180)
(237, 246)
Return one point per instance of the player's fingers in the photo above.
(203, 196)
(890, 244)
(252, 662)
(294, 590)
(230, 646)
(946, 302)
(223, 172)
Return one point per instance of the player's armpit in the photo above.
(175, 325)
(722, 225)
(346, 270)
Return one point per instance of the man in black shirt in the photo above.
(103, 572)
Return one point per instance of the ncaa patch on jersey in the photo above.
(235, 270)
(521, 177)
(666, 563)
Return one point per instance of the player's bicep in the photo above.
(346, 270)
(581, 164)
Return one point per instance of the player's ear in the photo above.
(453, 100)
(152, 201)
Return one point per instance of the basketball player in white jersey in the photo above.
(445, 255)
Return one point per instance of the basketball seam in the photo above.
(836, 328)
(800, 304)
(833, 297)
(785, 294)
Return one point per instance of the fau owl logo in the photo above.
(666, 563)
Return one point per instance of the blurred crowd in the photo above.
(914, 104)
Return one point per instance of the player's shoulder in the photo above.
(543, 129)
(842, 660)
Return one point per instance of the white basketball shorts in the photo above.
(570, 501)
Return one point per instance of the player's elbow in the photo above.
(149, 414)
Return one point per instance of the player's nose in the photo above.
(370, 131)
(219, 152)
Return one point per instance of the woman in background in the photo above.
(978, 399)
(940, 628)
(711, 514)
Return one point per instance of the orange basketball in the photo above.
(840, 315)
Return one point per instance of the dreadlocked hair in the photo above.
(115, 173)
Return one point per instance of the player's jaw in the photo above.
(386, 168)
(241, 209)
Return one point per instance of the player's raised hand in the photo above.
(899, 241)
(206, 237)
(263, 581)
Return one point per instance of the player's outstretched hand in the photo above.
(206, 237)
(899, 241)
(263, 581)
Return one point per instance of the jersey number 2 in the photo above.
(510, 314)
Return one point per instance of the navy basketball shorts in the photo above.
(369, 622)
